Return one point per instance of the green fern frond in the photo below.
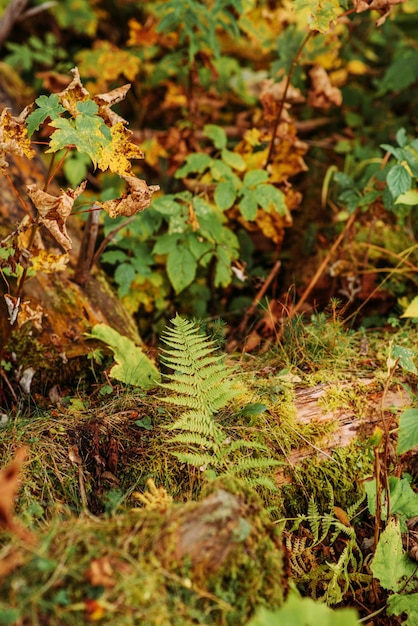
(191, 438)
(354, 509)
(250, 464)
(314, 518)
(262, 481)
(240, 444)
(197, 460)
(197, 422)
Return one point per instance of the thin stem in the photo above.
(283, 100)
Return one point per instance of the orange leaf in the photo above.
(9, 485)
(137, 199)
(54, 211)
(13, 139)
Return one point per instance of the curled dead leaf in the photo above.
(13, 139)
(137, 198)
(384, 7)
(54, 211)
(74, 93)
(322, 94)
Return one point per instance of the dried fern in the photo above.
(203, 385)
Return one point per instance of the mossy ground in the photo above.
(79, 507)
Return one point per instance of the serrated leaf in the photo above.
(115, 154)
(408, 431)
(404, 603)
(322, 13)
(399, 180)
(406, 358)
(234, 160)
(225, 195)
(85, 133)
(181, 268)
(255, 177)
(271, 199)
(248, 204)
(390, 565)
(196, 163)
(132, 367)
(48, 106)
(216, 134)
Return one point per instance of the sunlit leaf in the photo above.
(408, 431)
(132, 367)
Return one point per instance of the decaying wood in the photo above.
(348, 424)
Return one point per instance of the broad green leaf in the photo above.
(248, 204)
(322, 13)
(271, 199)
(399, 180)
(234, 160)
(167, 206)
(398, 153)
(404, 603)
(181, 267)
(225, 195)
(86, 133)
(298, 611)
(217, 134)
(255, 177)
(408, 431)
(196, 163)
(390, 565)
(412, 309)
(133, 367)
(222, 171)
(223, 272)
(406, 358)
(403, 500)
(401, 73)
(165, 243)
(48, 106)
(409, 197)
(402, 137)
(124, 276)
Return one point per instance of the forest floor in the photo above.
(99, 489)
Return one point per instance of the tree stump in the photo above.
(66, 310)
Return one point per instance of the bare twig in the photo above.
(250, 311)
(10, 16)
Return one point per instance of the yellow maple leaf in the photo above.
(13, 139)
(116, 155)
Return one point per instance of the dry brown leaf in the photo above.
(107, 100)
(322, 94)
(100, 573)
(74, 93)
(384, 7)
(137, 198)
(271, 96)
(54, 211)
(13, 139)
(9, 485)
(28, 314)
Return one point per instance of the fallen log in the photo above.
(348, 424)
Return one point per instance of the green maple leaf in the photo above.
(48, 106)
(321, 13)
(87, 132)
